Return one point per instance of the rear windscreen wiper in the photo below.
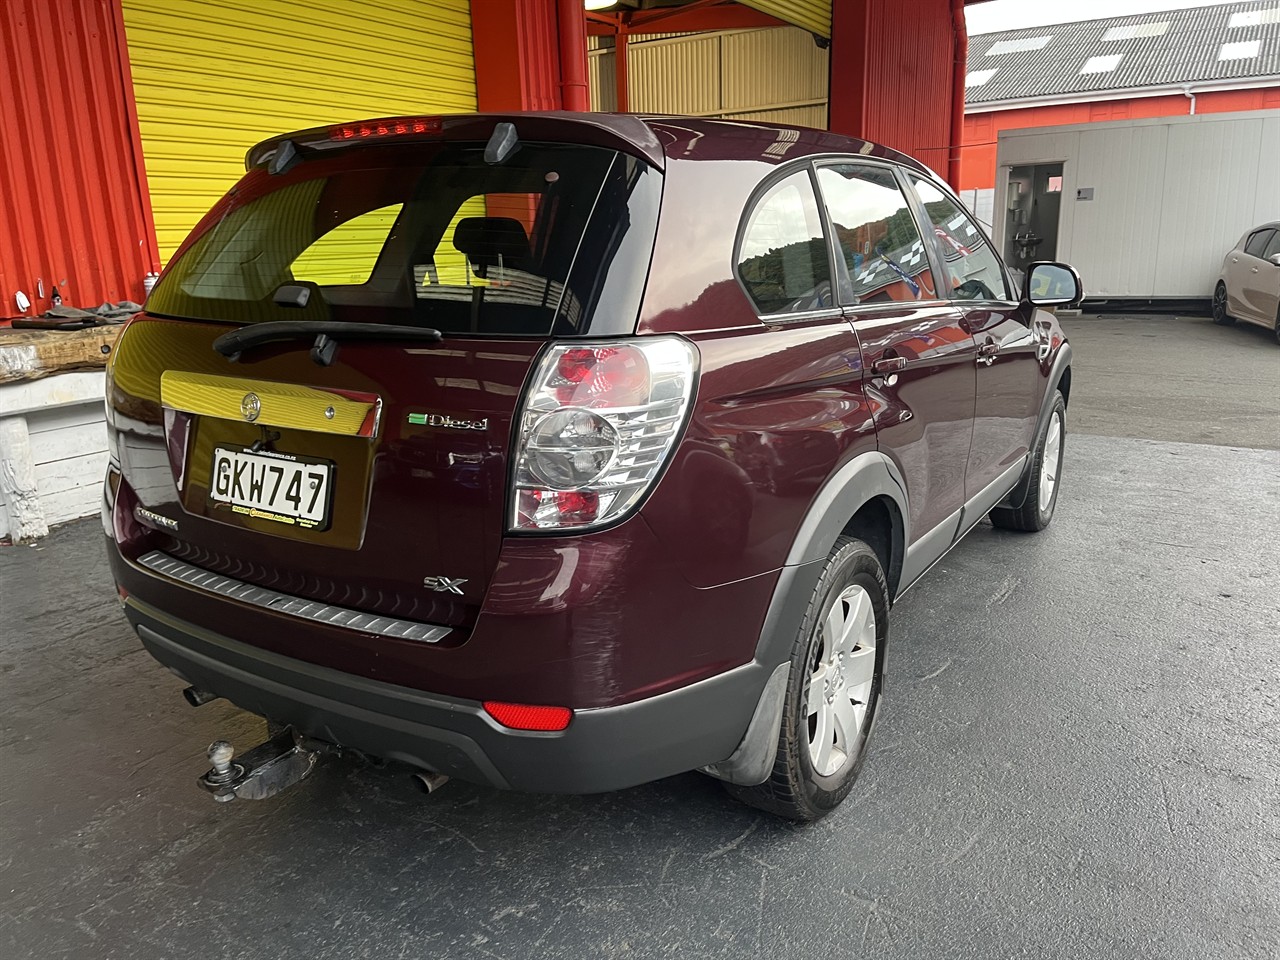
(327, 333)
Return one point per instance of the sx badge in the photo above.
(443, 585)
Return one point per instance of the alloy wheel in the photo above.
(1220, 303)
(1050, 461)
(840, 681)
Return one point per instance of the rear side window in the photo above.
(429, 235)
(1257, 245)
(782, 259)
(974, 272)
(877, 234)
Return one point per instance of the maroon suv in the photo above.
(566, 452)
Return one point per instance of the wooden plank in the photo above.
(73, 504)
(64, 418)
(33, 354)
(82, 440)
(63, 390)
(70, 474)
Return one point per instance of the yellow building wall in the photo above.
(213, 77)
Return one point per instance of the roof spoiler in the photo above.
(624, 133)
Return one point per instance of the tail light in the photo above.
(596, 428)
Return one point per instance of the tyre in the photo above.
(1277, 326)
(833, 691)
(1046, 471)
(1220, 315)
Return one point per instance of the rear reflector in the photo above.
(523, 716)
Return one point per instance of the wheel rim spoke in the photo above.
(846, 724)
(1049, 463)
(823, 740)
(860, 668)
(855, 623)
(833, 630)
(817, 687)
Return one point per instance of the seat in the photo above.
(489, 242)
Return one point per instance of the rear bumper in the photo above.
(606, 748)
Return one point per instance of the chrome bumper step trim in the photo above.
(216, 583)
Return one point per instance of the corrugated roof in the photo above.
(1197, 45)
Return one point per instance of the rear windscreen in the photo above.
(555, 240)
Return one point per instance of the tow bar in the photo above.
(264, 771)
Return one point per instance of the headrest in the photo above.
(486, 239)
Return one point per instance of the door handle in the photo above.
(988, 352)
(1254, 270)
(886, 365)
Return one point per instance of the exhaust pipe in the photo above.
(430, 782)
(198, 698)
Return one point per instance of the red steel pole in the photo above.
(575, 95)
(957, 92)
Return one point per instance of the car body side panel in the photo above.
(923, 411)
(1008, 393)
(779, 411)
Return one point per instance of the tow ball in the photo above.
(267, 769)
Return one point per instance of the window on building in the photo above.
(783, 259)
(1254, 18)
(1020, 45)
(973, 269)
(1103, 64)
(1134, 31)
(1243, 50)
(876, 233)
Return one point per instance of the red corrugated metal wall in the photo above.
(911, 49)
(891, 75)
(517, 55)
(73, 208)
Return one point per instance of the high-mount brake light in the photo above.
(386, 128)
(597, 424)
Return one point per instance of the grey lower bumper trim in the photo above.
(192, 576)
(604, 748)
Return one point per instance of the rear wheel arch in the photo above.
(861, 496)
(878, 523)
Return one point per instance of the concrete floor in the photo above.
(1078, 759)
(1182, 379)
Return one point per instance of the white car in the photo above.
(1249, 287)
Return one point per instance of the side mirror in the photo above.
(1275, 258)
(1052, 285)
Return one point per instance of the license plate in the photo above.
(273, 486)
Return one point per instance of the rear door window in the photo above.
(428, 235)
(1257, 245)
(783, 260)
(876, 233)
(973, 271)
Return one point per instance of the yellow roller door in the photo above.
(213, 77)
(813, 15)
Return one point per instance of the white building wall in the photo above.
(1170, 196)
